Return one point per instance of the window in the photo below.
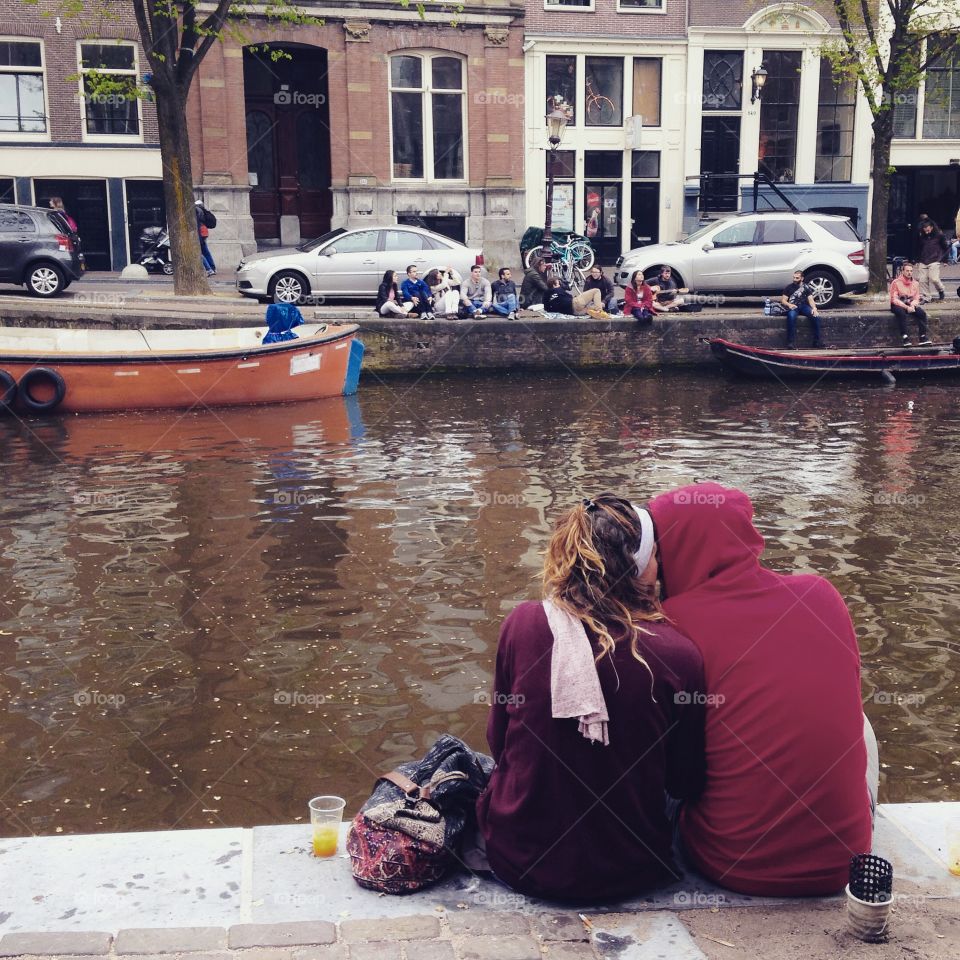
(779, 110)
(22, 108)
(109, 79)
(6, 190)
(905, 114)
(783, 231)
(562, 86)
(603, 104)
(403, 240)
(427, 116)
(739, 234)
(603, 164)
(363, 241)
(646, 90)
(583, 4)
(841, 229)
(631, 6)
(645, 164)
(941, 106)
(838, 97)
(16, 221)
(564, 164)
(722, 79)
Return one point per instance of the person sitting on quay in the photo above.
(797, 298)
(931, 249)
(905, 300)
(561, 300)
(666, 294)
(597, 714)
(505, 300)
(444, 284)
(416, 292)
(598, 280)
(638, 298)
(476, 295)
(792, 763)
(389, 302)
(536, 284)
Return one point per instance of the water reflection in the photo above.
(210, 617)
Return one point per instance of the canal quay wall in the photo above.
(258, 894)
(530, 343)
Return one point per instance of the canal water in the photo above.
(210, 617)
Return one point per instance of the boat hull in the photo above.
(226, 371)
(868, 363)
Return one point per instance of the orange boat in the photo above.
(80, 371)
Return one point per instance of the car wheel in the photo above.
(44, 280)
(288, 286)
(826, 287)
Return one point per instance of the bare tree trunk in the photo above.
(880, 203)
(189, 276)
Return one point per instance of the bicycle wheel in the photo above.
(582, 255)
(531, 255)
(600, 111)
(577, 279)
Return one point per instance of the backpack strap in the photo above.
(412, 790)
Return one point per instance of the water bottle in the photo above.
(767, 309)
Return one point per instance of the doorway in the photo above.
(288, 139)
(719, 154)
(145, 208)
(602, 216)
(86, 202)
(915, 190)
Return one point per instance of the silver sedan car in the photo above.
(348, 263)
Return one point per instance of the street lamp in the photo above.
(757, 79)
(556, 124)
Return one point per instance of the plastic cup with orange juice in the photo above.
(326, 814)
(953, 847)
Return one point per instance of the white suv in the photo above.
(757, 253)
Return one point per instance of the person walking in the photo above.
(797, 298)
(416, 292)
(905, 302)
(56, 203)
(598, 280)
(504, 290)
(206, 221)
(389, 302)
(931, 249)
(561, 300)
(596, 716)
(535, 286)
(638, 298)
(476, 295)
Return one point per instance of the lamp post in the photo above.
(757, 79)
(556, 124)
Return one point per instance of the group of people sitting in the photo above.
(671, 701)
(444, 293)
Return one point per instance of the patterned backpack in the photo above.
(408, 834)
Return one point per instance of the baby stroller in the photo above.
(155, 250)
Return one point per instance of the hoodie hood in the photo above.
(705, 532)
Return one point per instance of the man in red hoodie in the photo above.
(786, 802)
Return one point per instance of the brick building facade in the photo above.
(375, 116)
(99, 154)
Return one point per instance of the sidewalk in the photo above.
(234, 894)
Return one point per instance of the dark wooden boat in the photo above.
(886, 363)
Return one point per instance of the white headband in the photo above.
(647, 542)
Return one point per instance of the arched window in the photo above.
(427, 116)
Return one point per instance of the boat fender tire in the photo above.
(38, 375)
(8, 391)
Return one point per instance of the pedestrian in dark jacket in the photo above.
(535, 286)
(389, 301)
(597, 712)
(931, 249)
(598, 280)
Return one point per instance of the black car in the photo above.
(38, 249)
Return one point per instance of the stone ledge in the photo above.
(170, 940)
(417, 927)
(75, 944)
(244, 935)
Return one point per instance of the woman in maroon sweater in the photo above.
(587, 747)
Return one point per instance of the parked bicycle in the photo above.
(576, 249)
(601, 110)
